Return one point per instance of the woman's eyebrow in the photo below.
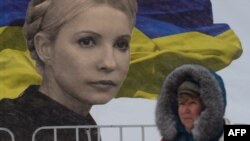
(127, 36)
(87, 32)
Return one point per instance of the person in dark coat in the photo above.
(81, 49)
(191, 105)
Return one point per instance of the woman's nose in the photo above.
(186, 109)
(107, 60)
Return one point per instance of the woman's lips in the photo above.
(103, 84)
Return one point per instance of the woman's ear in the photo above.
(43, 47)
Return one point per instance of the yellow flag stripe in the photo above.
(151, 60)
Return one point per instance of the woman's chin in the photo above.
(100, 100)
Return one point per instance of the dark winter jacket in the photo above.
(209, 125)
(32, 110)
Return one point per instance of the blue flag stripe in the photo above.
(184, 13)
(12, 12)
(154, 18)
(155, 28)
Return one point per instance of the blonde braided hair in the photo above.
(34, 18)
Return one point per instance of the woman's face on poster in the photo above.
(90, 56)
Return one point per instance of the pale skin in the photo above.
(88, 61)
(189, 109)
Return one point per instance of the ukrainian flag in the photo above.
(168, 33)
(17, 69)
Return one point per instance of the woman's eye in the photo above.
(180, 103)
(86, 42)
(122, 45)
(193, 102)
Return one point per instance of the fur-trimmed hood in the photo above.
(209, 125)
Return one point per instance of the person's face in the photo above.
(189, 110)
(91, 55)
